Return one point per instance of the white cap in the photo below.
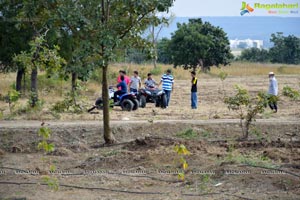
(271, 73)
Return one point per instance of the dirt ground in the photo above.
(144, 165)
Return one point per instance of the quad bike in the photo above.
(152, 95)
(128, 101)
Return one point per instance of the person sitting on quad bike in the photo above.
(126, 78)
(152, 94)
(123, 89)
(150, 82)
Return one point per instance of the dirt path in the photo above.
(36, 124)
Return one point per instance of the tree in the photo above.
(13, 38)
(39, 56)
(199, 44)
(163, 52)
(105, 26)
(255, 55)
(154, 30)
(285, 49)
(34, 15)
(74, 49)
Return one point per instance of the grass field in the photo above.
(266, 165)
(252, 76)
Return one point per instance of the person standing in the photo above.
(273, 92)
(167, 81)
(194, 98)
(135, 82)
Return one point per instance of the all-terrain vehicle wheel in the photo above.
(127, 105)
(157, 103)
(135, 104)
(143, 101)
(99, 102)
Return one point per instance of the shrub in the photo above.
(291, 93)
(247, 107)
(156, 71)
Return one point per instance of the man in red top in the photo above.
(126, 78)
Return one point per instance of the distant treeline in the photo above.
(286, 50)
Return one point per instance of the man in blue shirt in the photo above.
(123, 89)
(273, 92)
(167, 81)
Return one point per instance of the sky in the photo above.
(196, 8)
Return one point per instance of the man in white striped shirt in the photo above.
(167, 81)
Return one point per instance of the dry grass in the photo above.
(6, 80)
(253, 69)
(251, 76)
(94, 88)
(236, 69)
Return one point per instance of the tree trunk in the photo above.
(24, 83)
(33, 87)
(108, 136)
(74, 81)
(155, 57)
(19, 78)
(154, 62)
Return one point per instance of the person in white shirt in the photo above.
(273, 92)
(135, 82)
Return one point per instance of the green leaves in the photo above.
(255, 55)
(182, 151)
(286, 49)
(241, 98)
(40, 55)
(45, 133)
(199, 44)
(12, 96)
(51, 182)
(291, 93)
(247, 107)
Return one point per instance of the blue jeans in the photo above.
(133, 90)
(168, 96)
(194, 100)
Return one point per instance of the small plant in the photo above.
(223, 75)
(247, 107)
(187, 134)
(1, 114)
(45, 133)
(256, 132)
(11, 98)
(182, 151)
(291, 93)
(206, 133)
(51, 182)
(73, 102)
(205, 180)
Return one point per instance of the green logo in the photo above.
(246, 8)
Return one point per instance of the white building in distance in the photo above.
(245, 44)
